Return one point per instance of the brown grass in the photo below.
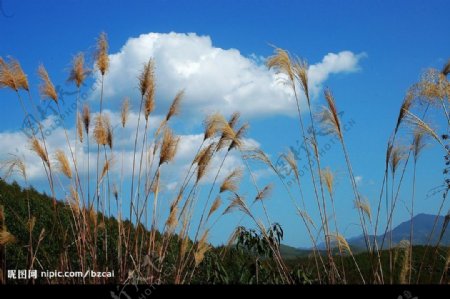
(231, 181)
(281, 62)
(125, 111)
(204, 159)
(215, 206)
(46, 89)
(78, 72)
(86, 118)
(264, 193)
(175, 106)
(101, 130)
(37, 147)
(213, 124)
(80, 127)
(168, 147)
(101, 55)
(147, 78)
(63, 163)
(12, 75)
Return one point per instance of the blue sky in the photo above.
(394, 42)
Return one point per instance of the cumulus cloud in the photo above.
(173, 174)
(213, 78)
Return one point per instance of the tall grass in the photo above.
(154, 245)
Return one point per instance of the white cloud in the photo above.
(358, 179)
(213, 78)
(173, 174)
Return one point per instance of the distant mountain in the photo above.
(422, 227)
(289, 252)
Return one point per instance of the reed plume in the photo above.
(264, 193)
(146, 78)
(109, 133)
(106, 167)
(227, 136)
(78, 72)
(204, 160)
(289, 157)
(12, 75)
(80, 127)
(74, 200)
(237, 140)
(228, 133)
(237, 202)
(418, 143)
(63, 163)
(12, 166)
(406, 105)
(46, 88)
(7, 78)
(175, 106)
(149, 104)
(231, 181)
(364, 206)
(328, 179)
(422, 126)
(37, 147)
(300, 69)
(234, 118)
(101, 130)
(433, 88)
(396, 156)
(282, 63)
(168, 147)
(101, 55)
(214, 207)
(86, 118)
(125, 111)
(329, 117)
(172, 220)
(202, 248)
(213, 124)
(342, 242)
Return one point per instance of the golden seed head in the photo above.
(46, 89)
(80, 126)
(328, 179)
(101, 56)
(63, 163)
(281, 62)
(78, 72)
(168, 147)
(86, 118)
(213, 124)
(203, 160)
(37, 147)
(12, 75)
(231, 181)
(149, 104)
(175, 106)
(264, 193)
(215, 206)
(101, 130)
(125, 111)
(147, 78)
